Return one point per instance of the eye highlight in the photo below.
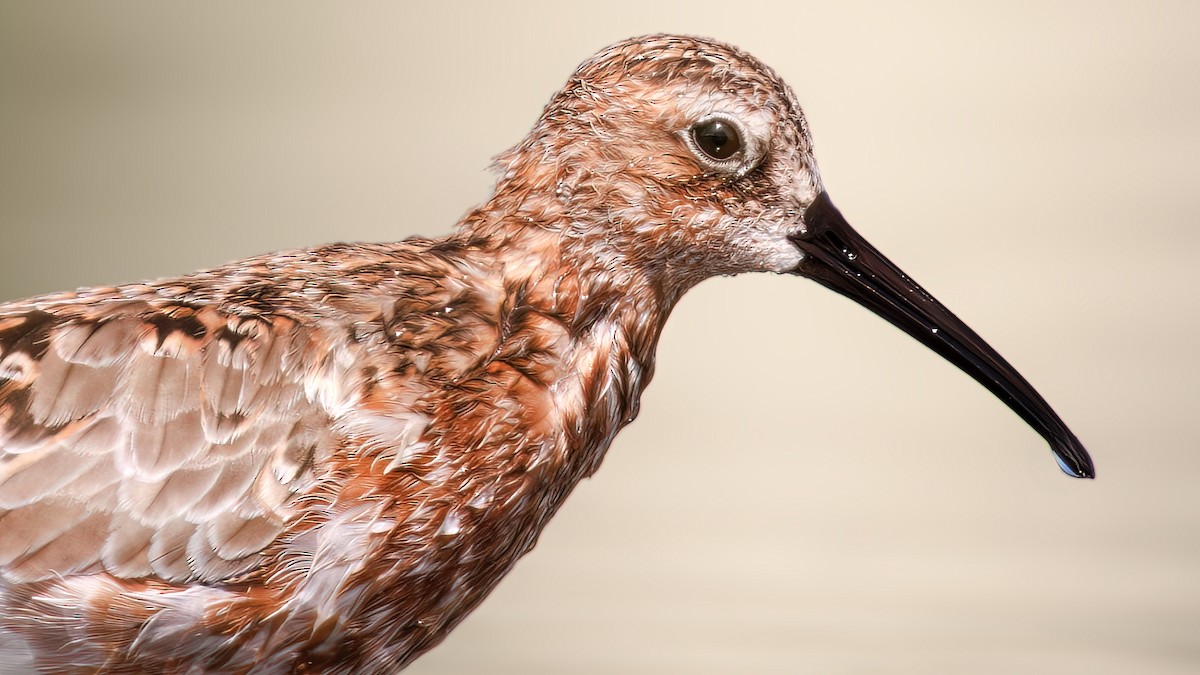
(717, 138)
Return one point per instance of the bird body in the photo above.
(298, 436)
(321, 460)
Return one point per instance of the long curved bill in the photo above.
(838, 258)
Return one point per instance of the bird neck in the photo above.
(608, 311)
(543, 226)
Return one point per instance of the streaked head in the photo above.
(685, 153)
(689, 158)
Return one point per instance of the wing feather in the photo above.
(24, 531)
(150, 439)
(66, 390)
(126, 550)
(233, 537)
(34, 475)
(75, 549)
(157, 503)
(158, 388)
(168, 550)
(231, 486)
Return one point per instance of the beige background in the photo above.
(808, 490)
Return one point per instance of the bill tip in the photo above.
(1075, 471)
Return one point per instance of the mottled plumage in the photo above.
(320, 460)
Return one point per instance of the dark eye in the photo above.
(717, 138)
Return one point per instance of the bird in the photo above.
(321, 460)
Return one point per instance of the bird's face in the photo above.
(693, 155)
(690, 158)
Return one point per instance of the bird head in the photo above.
(688, 158)
(692, 154)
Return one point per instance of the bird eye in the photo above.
(717, 138)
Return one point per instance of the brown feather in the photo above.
(321, 460)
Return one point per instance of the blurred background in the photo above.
(807, 490)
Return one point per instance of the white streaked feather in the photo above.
(162, 501)
(101, 479)
(99, 345)
(73, 550)
(230, 486)
(65, 391)
(156, 450)
(25, 530)
(168, 550)
(147, 451)
(103, 435)
(233, 537)
(126, 552)
(30, 476)
(159, 388)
